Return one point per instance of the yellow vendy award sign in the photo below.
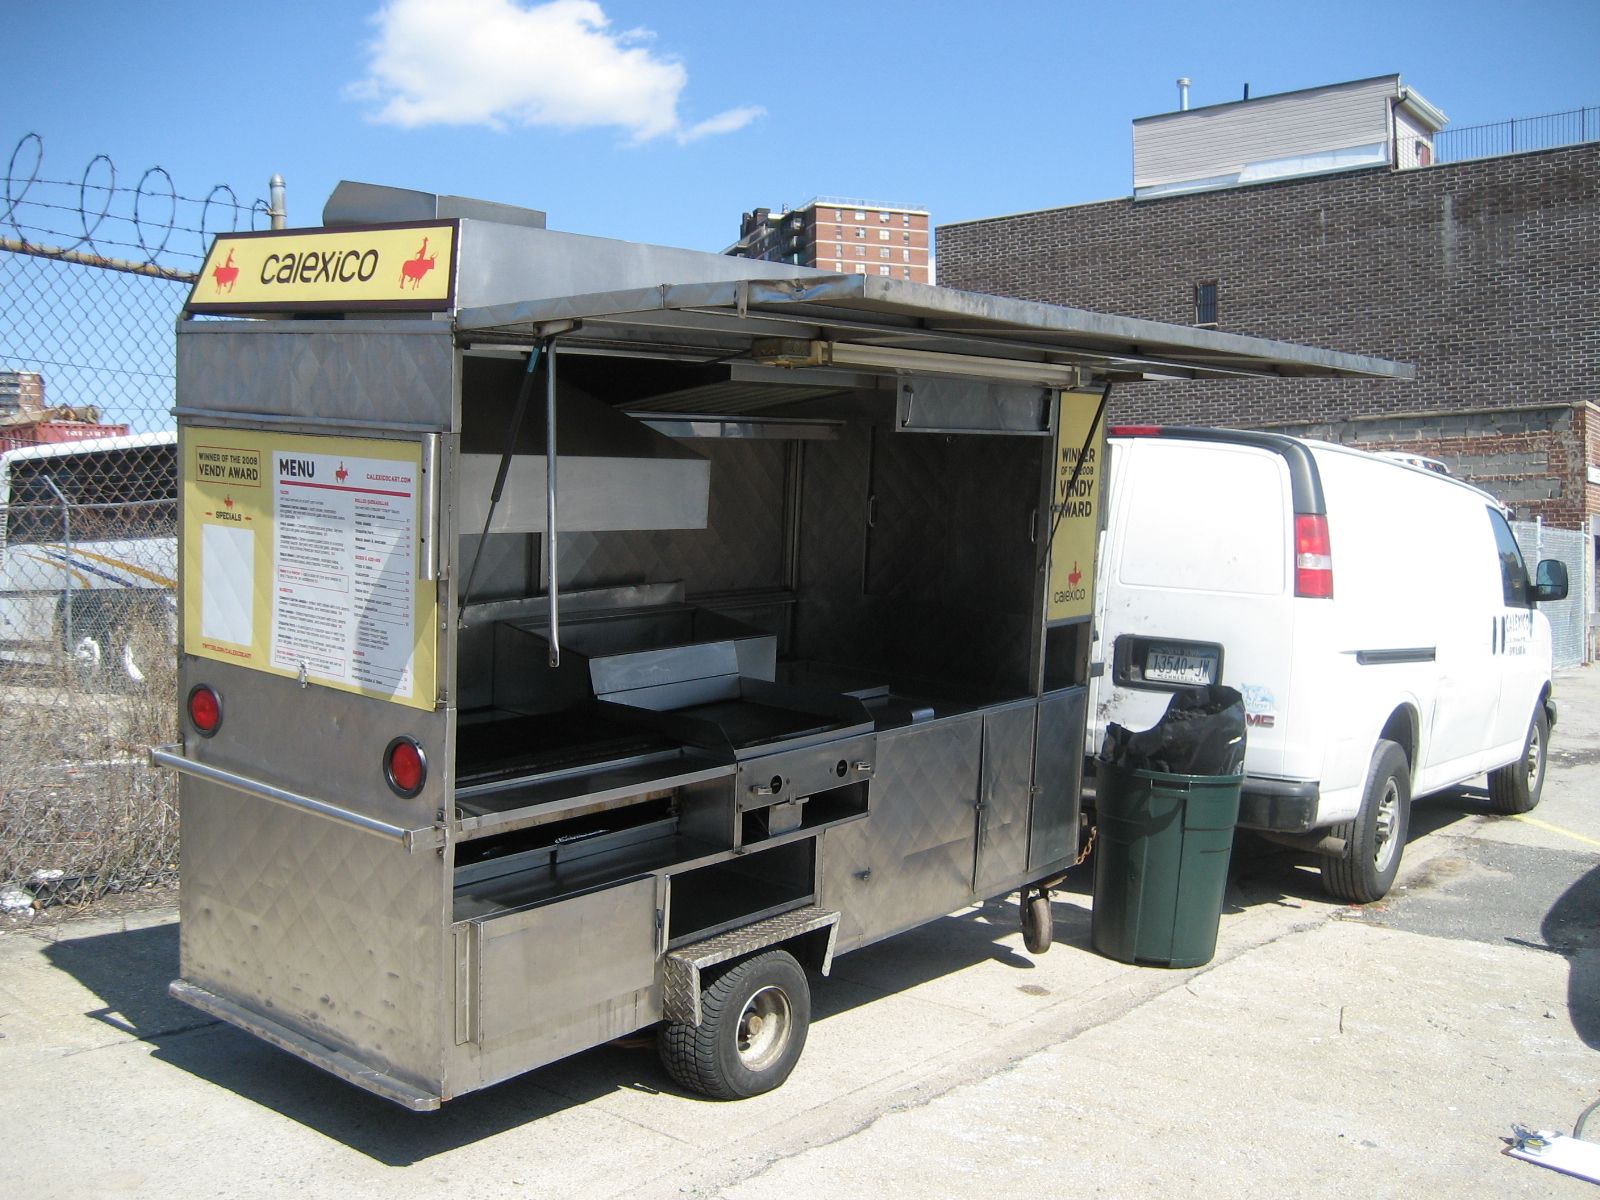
(354, 268)
(301, 557)
(1075, 507)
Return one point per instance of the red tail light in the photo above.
(1313, 558)
(1134, 430)
(205, 710)
(405, 767)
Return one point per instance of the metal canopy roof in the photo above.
(722, 320)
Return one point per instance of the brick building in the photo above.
(26, 420)
(848, 237)
(1484, 274)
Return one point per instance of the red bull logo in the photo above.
(413, 269)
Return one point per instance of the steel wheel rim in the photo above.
(764, 1025)
(1531, 761)
(1387, 824)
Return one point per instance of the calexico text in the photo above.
(320, 266)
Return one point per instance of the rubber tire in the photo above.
(705, 1058)
(1511, 789)
(1355, 876)
(1038, 922)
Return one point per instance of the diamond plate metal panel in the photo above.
(680, 980)
(740, 548)
(834, 513)
(952, 520)
(910, 534)
(330, 932)
(1007, 780)
(945, 588)
(912, 859)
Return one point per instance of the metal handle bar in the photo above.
(171, 757)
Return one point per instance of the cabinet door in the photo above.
(565, 976)
(1057, 777)
(912, 858)
(1005, 799)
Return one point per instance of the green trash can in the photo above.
(1161, 864)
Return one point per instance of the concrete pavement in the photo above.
(1326, 1050)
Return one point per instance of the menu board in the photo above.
(302, 556)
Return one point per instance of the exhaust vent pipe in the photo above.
(1183, 94)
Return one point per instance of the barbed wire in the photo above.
(145, 226)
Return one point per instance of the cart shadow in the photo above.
(129, 971)
(983, 933)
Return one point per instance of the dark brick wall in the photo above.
(1485, 275)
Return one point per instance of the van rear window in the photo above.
(1208, 519)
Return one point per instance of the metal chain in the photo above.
(1088, 846)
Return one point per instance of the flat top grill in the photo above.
(748, 724)
(546, 744)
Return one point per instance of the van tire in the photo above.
(1515, 787)
(1375, 840)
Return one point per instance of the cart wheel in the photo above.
(1038, 922)
(754, 1018)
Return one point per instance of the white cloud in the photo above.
(498, 63)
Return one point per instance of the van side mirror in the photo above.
(1550, 580)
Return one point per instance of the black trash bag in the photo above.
(1201, 733)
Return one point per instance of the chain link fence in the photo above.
(93, 274)
(1569, 618)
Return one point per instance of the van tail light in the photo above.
(405, 767)
(1313, 559)
(1134, 430)
(205, 709)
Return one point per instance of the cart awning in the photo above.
(880, 325)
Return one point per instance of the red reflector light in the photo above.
(1313, 557)
(1134, 430)
(205, 710)
(404, 766)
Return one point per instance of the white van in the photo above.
(1376, 616)
(88, 552)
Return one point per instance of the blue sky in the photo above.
(661, 122)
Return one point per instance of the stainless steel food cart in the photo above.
(582, 637)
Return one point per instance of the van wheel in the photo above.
(754, 1019)
(1375, 840)
(1515, 787)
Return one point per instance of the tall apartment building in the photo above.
(25, 419)
(21, 395)
(846, 237)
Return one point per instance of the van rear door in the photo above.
(1198, 576)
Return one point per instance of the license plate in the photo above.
(1174, 664)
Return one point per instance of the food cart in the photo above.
(581, 637)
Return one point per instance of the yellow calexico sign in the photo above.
(352, 268)
(1075, 508)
